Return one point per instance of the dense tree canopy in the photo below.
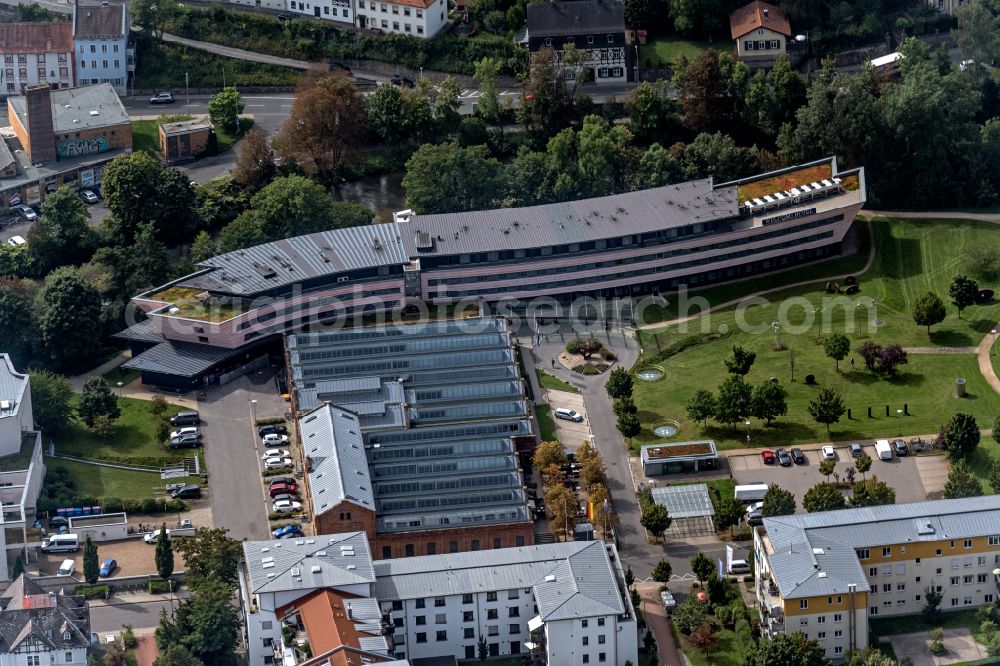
(68, 321)
(446, 178)
(138, 189)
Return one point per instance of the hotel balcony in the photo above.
(772, 617)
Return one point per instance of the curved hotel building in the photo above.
(624, 245)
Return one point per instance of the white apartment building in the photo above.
(15, 406)
(334, 10)
(417, 18)
(564, 603)
(827, 574)
(39, 627)
(35, 53)
(101, 40)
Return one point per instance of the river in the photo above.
(383, 193)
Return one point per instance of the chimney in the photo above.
(38, 115)
(765, 11)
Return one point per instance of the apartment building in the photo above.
(416, 18)
(619, 248)
(333, 10)
(34, 53)
(101, 40)
(562, 604)
(826, 574)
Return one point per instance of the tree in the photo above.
(823, 497)
(863, 463)
(655, 519)
(561, 503)
(138, 189)
(961, 436)
(486, 72)
(976, 36)
(255, 165)
(482, 649)
(826, 468)
(325, 129)
(710, 89)
(778, 502)
(16, 320)
(164, 554)
(97, 399)
(705, 638)
(624, 405)
(61, 236)
(962, 482)
(728, 512)
(827, 408)
(389, 114)
(657, 167)
(206, 624)
(690, 614)
(932, 605)
(629, 425)
(837, 347)
(652, 113)
(225, 108)
(662, 571)
(602, 157)
(177, 655)
(994, 475)
(963, 292)
(717, 156)
(585, 347)
(210, 554)
(740, 362)
(51, 401)
(701, 406)
(68, 321)
(447, 178)
(148, 262)
(928, 310)
(203, 248)
(768, 401)
(91, 568)
(153, 15)
(592, 473)
(549, 453)
(619, 383)
(872, 492)
(733, 403)
(784, 649)
(882, 360)
(702, 567)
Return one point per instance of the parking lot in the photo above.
(905, 475)
(570, 433)
(135, 558)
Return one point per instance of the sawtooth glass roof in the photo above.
(688, 501)
(437, 446)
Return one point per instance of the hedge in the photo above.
(270, 420)
(159, 586)
(309, 40)
(116, 504)
(277, 472)
(92, 591)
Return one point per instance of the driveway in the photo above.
(232, 452)
(959, 647)
(902, 474)
(570, 433)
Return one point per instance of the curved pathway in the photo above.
(985, 363)
(931, 215)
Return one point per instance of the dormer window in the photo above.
(67, 636)
(548, 42)
(611, 39)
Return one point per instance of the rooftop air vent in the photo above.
(425, 241)
(550, 579)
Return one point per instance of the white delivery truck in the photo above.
(753, 492)
(61, 543)
(67, 567)
(883, 449)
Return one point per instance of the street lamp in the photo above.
(253, 412)
(120, 384)
(748, 432)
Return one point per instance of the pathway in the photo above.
(941, 350)
(985, 361)
(934, 215)
(736, 301)
(77, 381)
(240, 54)
(656, 619)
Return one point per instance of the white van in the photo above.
(883, 449)
(739, 567)
(61, 543)
(753, 492)
(67, 568)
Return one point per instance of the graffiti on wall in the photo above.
(78, 147)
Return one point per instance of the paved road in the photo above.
(231, 452)
(104, 619)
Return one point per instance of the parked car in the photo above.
(88, 196)
(26, 212)
(189, 491)
(755, 507)
(798, 457)
(276, 453)
(829, 453)
(568, 415)
(58, 521)
(180, 432)
(285, 498)
(275, 480)
(151, 537)
(16, 241)
(900, 448)
(669, 603)
(162, 98)
(784, 459)
(398, 80)
(185, 442)
(185, 419)
(755, 518)
(286, 506)
(856, 450)
(767, 456)
(272, 429)
(275, 439)
(283, 489)
(108, 567)
(277, 463)
(287, 531)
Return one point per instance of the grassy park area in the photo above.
(665, 50)
(547, 381)
(98, 481)
(546, 424)
(145, 133)
(913, 257)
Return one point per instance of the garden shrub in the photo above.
(92, 591)
(159, 586)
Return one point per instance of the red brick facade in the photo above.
(345, 517)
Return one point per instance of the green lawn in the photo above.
(554, 383)
(97, 481)
(908, 624)
(665, 50)
(546, 424)
(124, 375)
(133, 440)
(913, 257)
(728, 653)
(145, 133)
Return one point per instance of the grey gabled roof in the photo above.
(13, 385)
(338, 469)
(277, 566)
(807, 545)
(100, 19)
(575, 17)
(583, 580)
(145, 331)
(27, 611)
(184, 359)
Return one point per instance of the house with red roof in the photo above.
(761, 31)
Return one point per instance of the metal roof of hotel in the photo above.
(281, 565)
(13, 385)
(331, 439)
